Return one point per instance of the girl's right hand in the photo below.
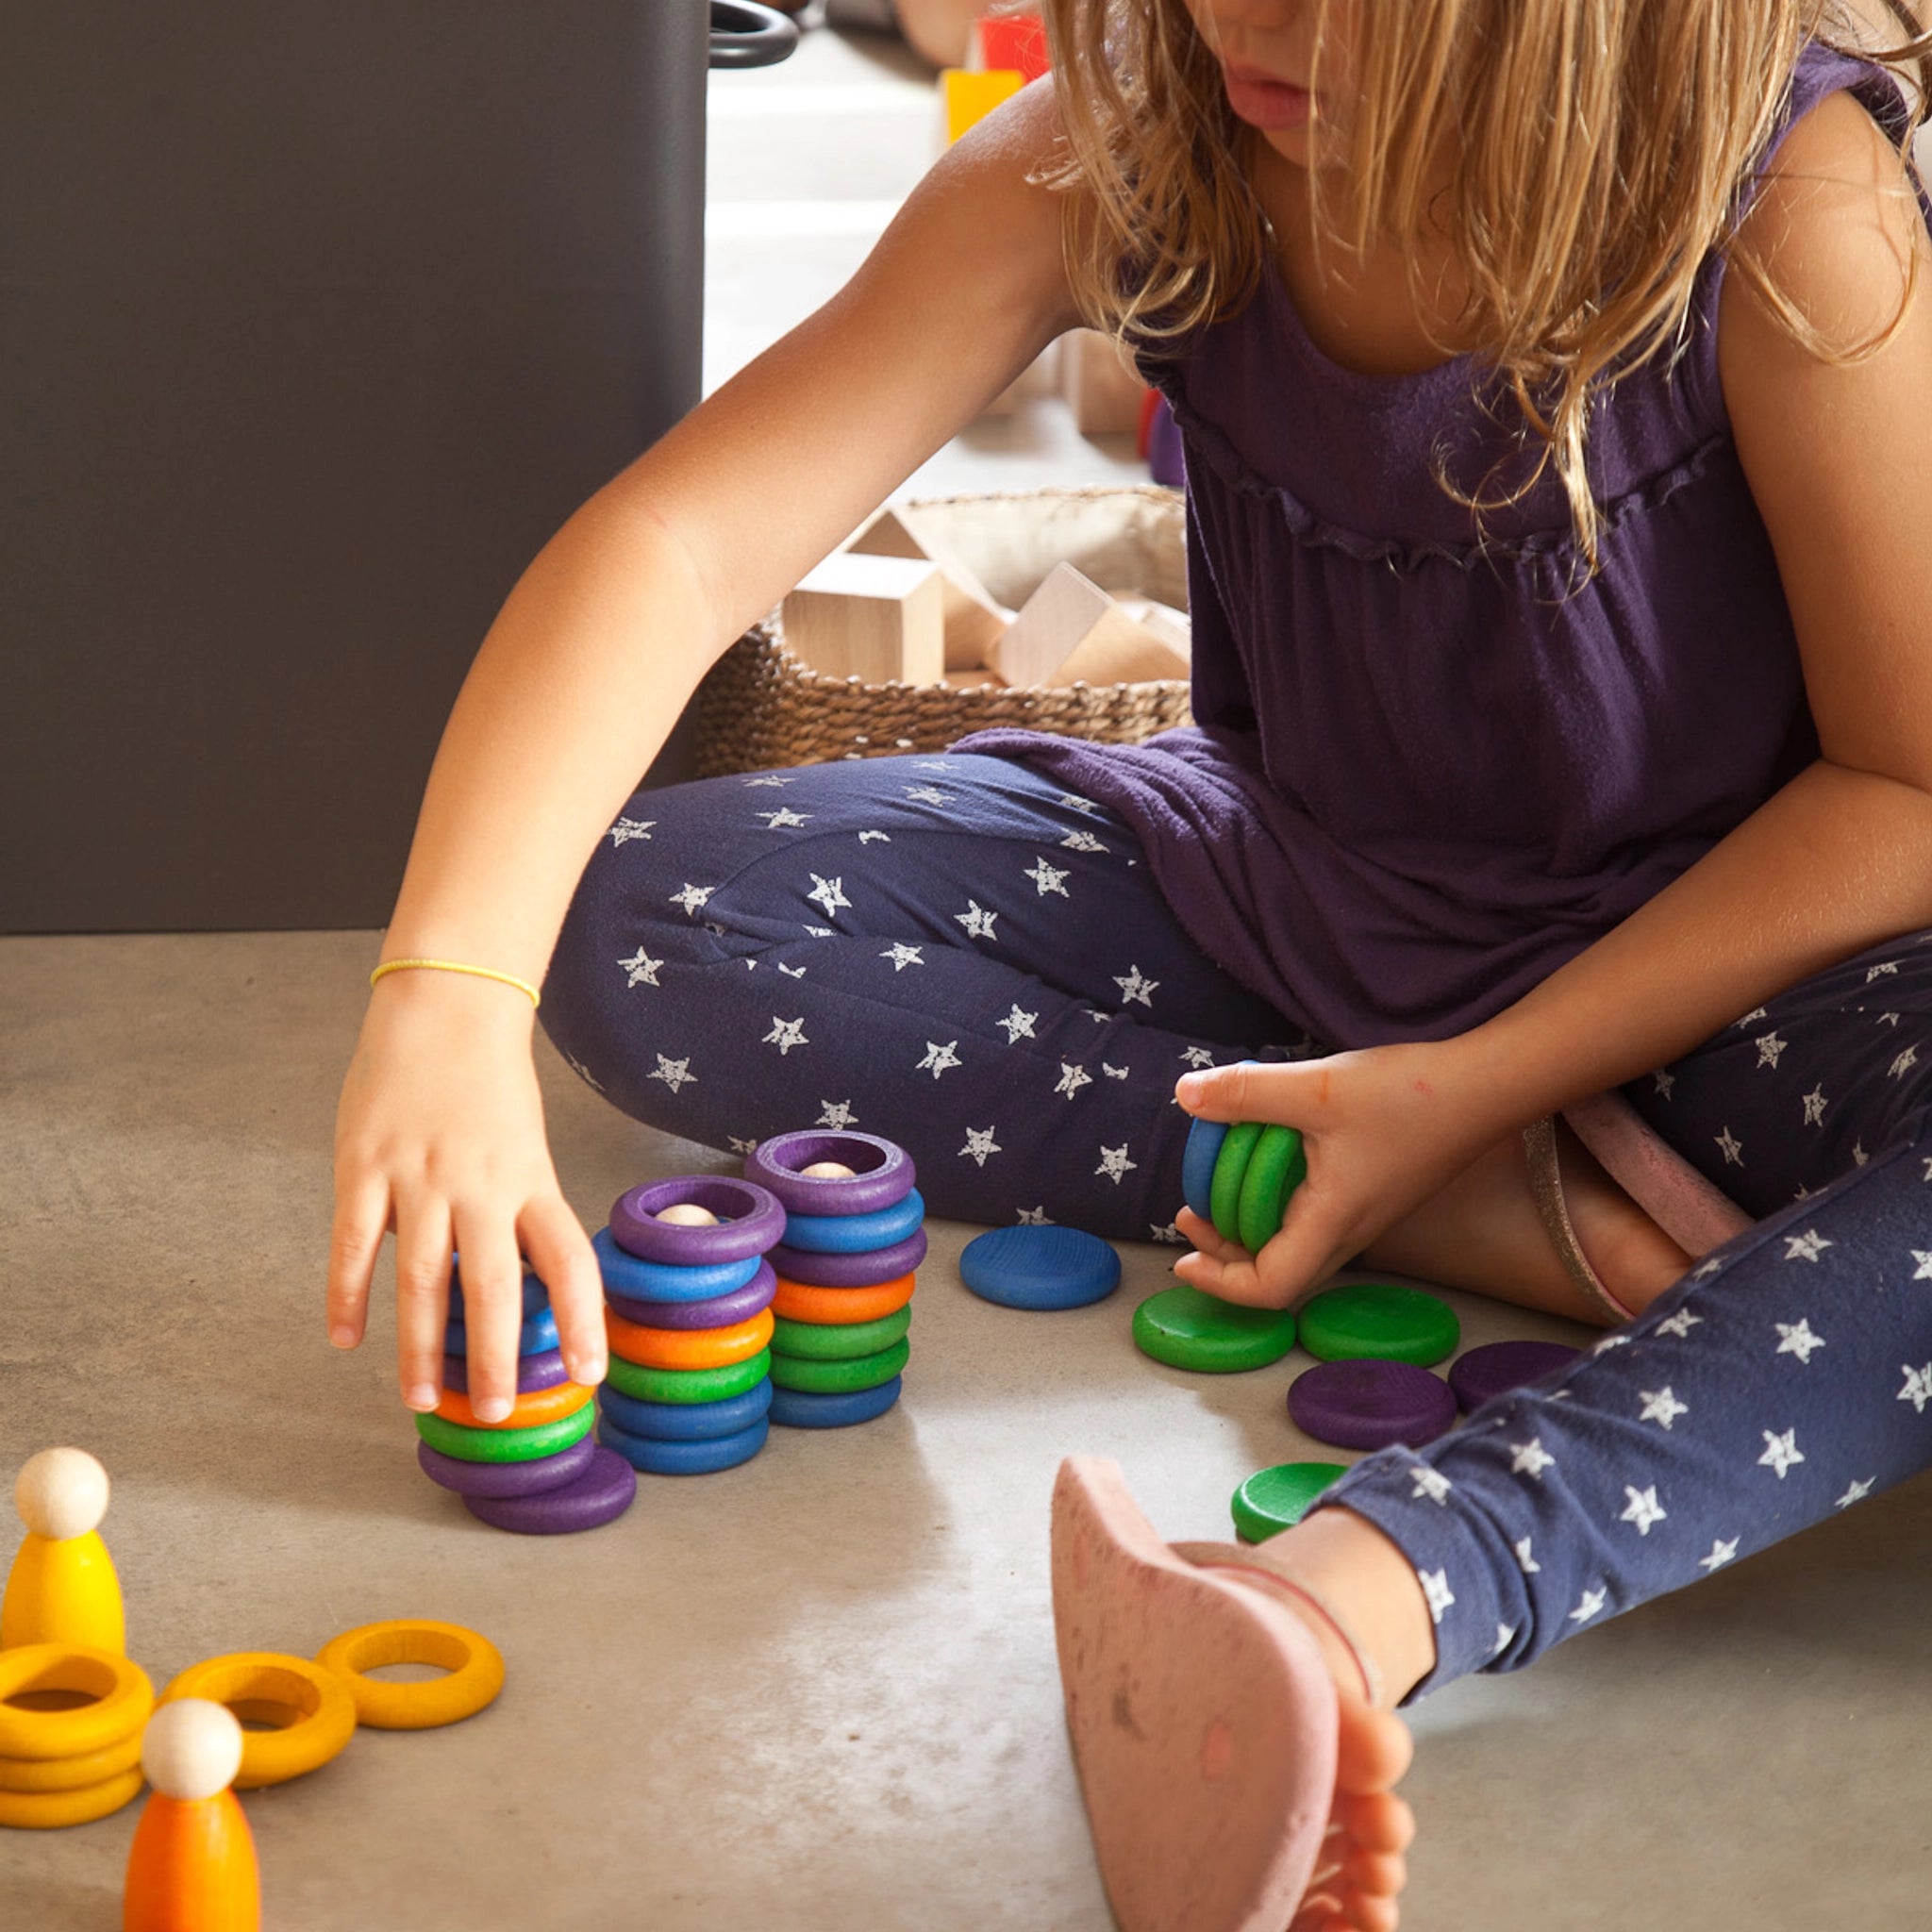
(440, 1140)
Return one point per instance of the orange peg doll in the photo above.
(191, 1866)
(62, 1587)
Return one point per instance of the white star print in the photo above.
(1781, 1452)
(1608, 1343)
(767, 780)
(927, 794)
(1734, 1150)
(1644, 1508)
(1170, 1234)
(1588, 1606)
(1431, 1483)
(830, 893)
(1530, 1458)
(641, 969)
(1872, 973)
(1071, 1079)
(1135, 987)
(779, 820)
(1679, 1325)
(1018, 1025)
(1904, 1061)
(1435, 1585)
(1046, 879)
(1918, 1389)
(820, 932)
(1082, 841)
(1503, 1634)
(1660, 1405)
(692, 897)
(1114, 1163)
(1769, 1047)
(933, 765)
(1925, 1260)
(1704, 1270)
(937, 1057)
(1113, 1073)
(1091, 1015)
(793, 972)
(1806, 1246)
(903, 955)
(873, 838)
(1927, 1163)
(979, 1145)
(1755, 1013)
(624, 830)
(786, 1034)
(584, 1074)
(1858, 1155)
(1815, 1104)
(1074, 803)
(836, 1114)
(1888, 1019)
(1033, 1217)
(738, 1146)
(1664, 1082)
(976, 920)
(1529, 1564)
(1720, 1554)
(1200, 1056)
(1798, 1340)
(673, 1074)
(1857, 1494)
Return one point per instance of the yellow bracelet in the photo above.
(455, 966)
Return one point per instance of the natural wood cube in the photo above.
(974, 622)
(1102, 388)
(1070, 629)
(876, 618)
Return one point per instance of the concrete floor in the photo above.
(818, 1690)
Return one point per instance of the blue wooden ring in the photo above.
(721, 1312)
(534, 1372)
(793, 1409)
(882, 1170)
(535, 1294)
(856, 1234)
(686, 1421)
(704, 1457)
(749, 1219)
(667, 1281)
(1197, 1166)
(849, 1271)
(539, 1334)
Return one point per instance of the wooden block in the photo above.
(876, 618)
(1171, 627)
(974, 622)
(971, 97)
(1118, 650)
(1101, 388)
(971, 680)
(1071, 629)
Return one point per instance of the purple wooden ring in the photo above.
(1369, 1405)
(534, 1372)
(506, 1479)
(721, 1312)
(600, 1495)
(1483, 1373)
(882, 1172)
(749, 1219)
(850, 1271)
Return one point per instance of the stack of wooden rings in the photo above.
(538, 1472)
(76, 1763)
(1239, 1177)
(853, 1235)
(687, 1295)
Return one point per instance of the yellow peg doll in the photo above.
(62, 1587)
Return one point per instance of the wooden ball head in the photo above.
(827, 1171)
(688, 1214)
(62, 1493)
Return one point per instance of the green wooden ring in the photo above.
(1230, 1168)
(823, 1342)
(1275, 1168)
(1275, 1499)
(506, 1445)
(842, 1377)
(688, 1385)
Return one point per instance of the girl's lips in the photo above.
(1262, 102)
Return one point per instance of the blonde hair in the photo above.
(1580, 228)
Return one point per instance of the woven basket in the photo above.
(759, 707)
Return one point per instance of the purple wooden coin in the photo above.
(850, 1271)
(749, 1219)
(506, 1479)
(1483, 1373)
(600, 1493)
(721, 1312)
(543, 1371)
(1369, 1405)
(882, 1172)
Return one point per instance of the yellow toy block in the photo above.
(971, 97)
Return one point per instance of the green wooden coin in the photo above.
(1275, 1168)
(1187, 1329)
(1275, 1499)
(840, 1377)
(1382, 1321)
(506, 1445)
(688, 1385)
(1230, 1168)
(826, 1341)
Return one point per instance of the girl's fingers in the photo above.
(361, 1218)
(423, 1239)
(491, 1269)
(1206, 1237)
(561, 1253)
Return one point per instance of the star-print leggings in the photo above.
(956, 953)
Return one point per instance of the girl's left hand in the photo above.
(1383, 1129)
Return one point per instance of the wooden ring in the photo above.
(474, 1663)
(123, 1699)
(71, 1774)
(798, 1301)
(261, 1686)
(531, 1408)
(47, 1811)
(687, 1348)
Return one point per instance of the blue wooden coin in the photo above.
(856, 1234)
(703, 1457)
(624, 1273)
(1197, 1166)
(686, 1421)
(793, 1409)
(1040, 1268)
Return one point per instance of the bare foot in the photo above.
(1236, 1778)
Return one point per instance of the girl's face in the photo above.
(1267, 52)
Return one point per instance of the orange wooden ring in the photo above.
(538, 1406)
(688, 1348)
(834, 1307)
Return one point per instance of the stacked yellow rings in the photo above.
(310, 1706)
(71, 1765)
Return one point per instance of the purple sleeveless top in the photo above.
(1425, 771)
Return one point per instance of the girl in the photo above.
(1554, 401)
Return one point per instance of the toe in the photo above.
(1373, 1747)
(1378, 1821)
(1375, 1874)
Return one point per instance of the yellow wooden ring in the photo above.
(474, 1663)
(46, 1810)
(527, 1411)
(119, 1687)
(263, 1686)
(71, 1774)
